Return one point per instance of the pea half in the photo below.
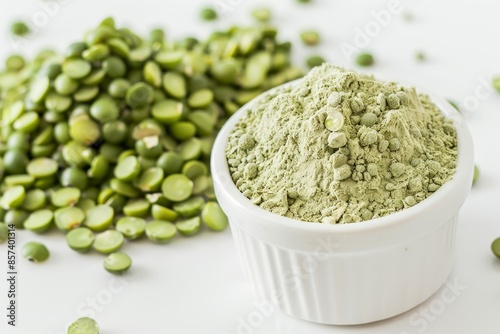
(84, 326)
(117, 263)
(35, 252)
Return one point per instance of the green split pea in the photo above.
(111, 139)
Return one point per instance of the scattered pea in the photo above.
(13, 197)
(190, 207)
(190, 149)
(74, 177)
(4, 232)
(42, 167)
(116, 202)
(496, 83)
(75, 49)
(475, 177)
(104, 195)
(167, 111)
(99, 218)
(454, 105)
(117, 263)
(175, 85)
(15, 63)
(114, 67)
(160, 212)
(15, 161)
(20, 28)
(85, 131)
(314, 61)
(208, 14)
(420, 56)
(201, 99)
(194, 168)
(158, 198)
(408, 16)
(80, 239)
(177, 187)
(150, 179)
(108, 242)
(495, 247)
(65, 85)
(201, 184)
(213, 217)
(85, 204)
(128, 169)
(170, 162)
(262, 14)
(202, 122)
(16, 217)
(124, 188)
(35, 252)
(131, 227)
(76, 68)
(183, 130)
(68, 218)
(19, 180)
(160, 231)
(98, 168)
(365, 59)
(310, 37)
(137, 208)
(27, 123)
(96, 52)
(65, 197)
(39, 221)
(104, 110)
(84, 326)
(157, 35)
(189, 227)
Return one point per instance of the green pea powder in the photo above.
(340, 147)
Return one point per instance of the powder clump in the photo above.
(339, 147)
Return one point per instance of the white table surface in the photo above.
(195, 285)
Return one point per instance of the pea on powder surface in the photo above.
(340, 147)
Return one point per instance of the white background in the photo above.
(195, 285)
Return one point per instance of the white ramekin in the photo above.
(349, 273)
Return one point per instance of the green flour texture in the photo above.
(340, 147)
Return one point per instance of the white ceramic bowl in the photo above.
(347, 273)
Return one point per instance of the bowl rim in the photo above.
(222, 177)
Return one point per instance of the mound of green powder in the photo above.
(340, 147)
